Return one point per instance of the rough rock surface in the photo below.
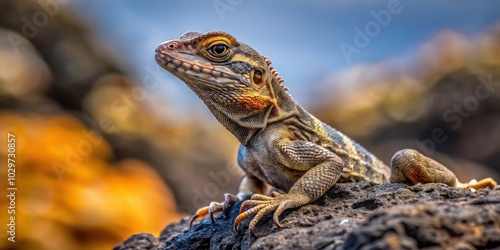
(353, 216)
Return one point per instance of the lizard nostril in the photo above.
(172, 45)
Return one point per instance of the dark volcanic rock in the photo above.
(356, 216)
(139, 241)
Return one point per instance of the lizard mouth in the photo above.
(186, 65)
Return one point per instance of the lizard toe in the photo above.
(229, 201)
(261, 197)
(276, 194)
(215, 207)
(202, 212)
(258, 216)
(251, 203)
(281, 207)
(264, 205)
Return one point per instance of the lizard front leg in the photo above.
(248, 185)
(411, 167)
(322, 170)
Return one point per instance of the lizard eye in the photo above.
(218, 50)
(257, 76)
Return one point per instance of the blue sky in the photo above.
(302, 38)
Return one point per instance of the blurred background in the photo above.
(109, 144)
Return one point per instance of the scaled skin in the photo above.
(282, 147)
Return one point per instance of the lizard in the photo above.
(289, 157)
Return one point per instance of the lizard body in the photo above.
(282, 145)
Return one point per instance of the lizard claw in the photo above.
(202, 212)
(262, 204)
(215, 207)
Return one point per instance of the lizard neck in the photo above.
(245, 125)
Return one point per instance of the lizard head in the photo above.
(232, 79)
(221, 69)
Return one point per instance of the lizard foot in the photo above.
(484, 183)
(263, 204)
(215, 207)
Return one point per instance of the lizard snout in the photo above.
(169, 45)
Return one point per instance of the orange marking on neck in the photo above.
(255, 101)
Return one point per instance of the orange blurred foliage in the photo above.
(70, 194)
